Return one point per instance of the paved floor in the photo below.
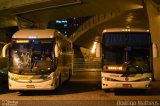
(84, 89)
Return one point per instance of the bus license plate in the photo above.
(127, 85)
(30, 86)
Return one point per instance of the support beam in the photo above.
(7, 22)
(6, 4)
(24, 23)
(50, 7)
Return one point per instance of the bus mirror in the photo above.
(5, 50)
(56, 51)
(154, 50)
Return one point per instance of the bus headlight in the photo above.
(51, 76)
(146, 79)
(12, 78)
(108, 79)
(103, 78)
(150, 79)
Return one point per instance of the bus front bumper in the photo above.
(46, 85)
(126, 85)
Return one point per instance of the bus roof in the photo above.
(35, 33)
(125, 30)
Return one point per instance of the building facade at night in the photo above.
(67, 26)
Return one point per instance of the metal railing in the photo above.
(91, 65)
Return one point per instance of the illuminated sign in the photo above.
(114, 68)
(61, 21)
(22, 41)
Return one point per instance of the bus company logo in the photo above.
(126, 79)
(30, 81)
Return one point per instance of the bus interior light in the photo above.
(32, 37)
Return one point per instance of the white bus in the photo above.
(126, 59)
(41, 59)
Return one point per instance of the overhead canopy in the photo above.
(43, 11)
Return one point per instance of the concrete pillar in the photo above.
(98, 50)
(154, 24)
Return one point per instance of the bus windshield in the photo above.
(134, 59)
(128, 50)
(32, 56)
